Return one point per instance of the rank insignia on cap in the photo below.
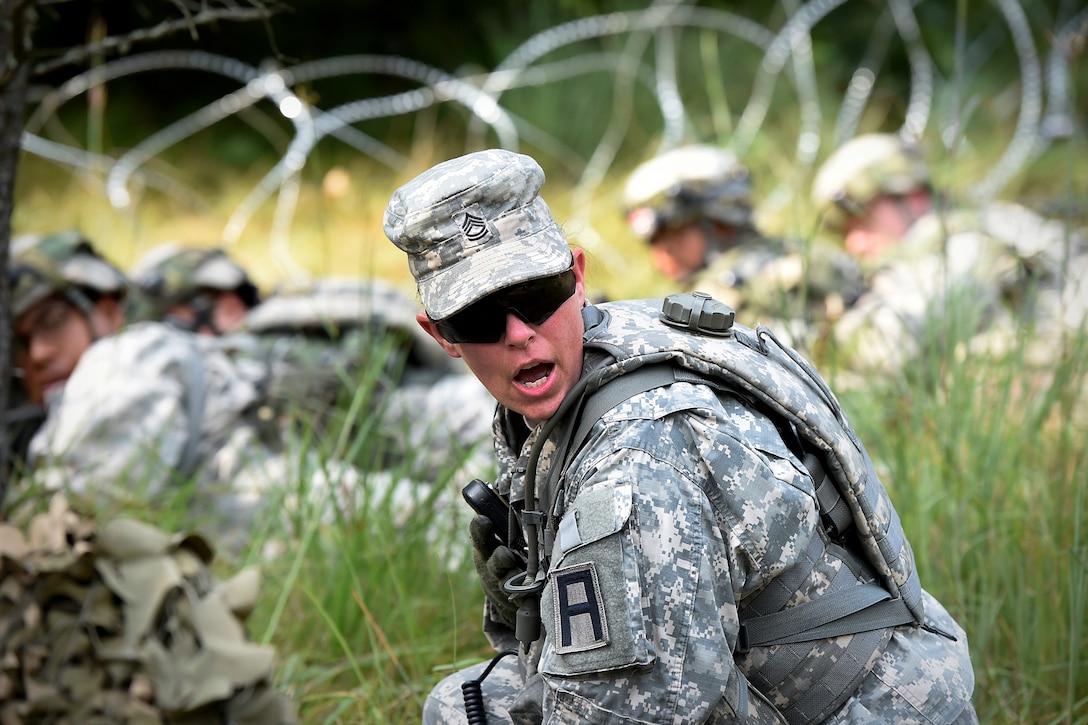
(474, 227)
(580, 622)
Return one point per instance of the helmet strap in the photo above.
(83, 304)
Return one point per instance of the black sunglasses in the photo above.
(485, 321)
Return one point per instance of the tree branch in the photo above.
(191, 22)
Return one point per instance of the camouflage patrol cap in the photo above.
(473, 225)
(688, 183)
(61, 263)
(862, 169)
(171, 273)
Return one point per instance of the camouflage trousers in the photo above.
(446, 702)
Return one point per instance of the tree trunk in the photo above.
(16, 24)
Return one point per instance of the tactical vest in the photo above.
(641, 345)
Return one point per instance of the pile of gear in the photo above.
(124, 623)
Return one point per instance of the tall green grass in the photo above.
(368, 596)
(986, 459)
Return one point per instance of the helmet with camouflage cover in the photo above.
(172, 274)
(862, 169)
(336, 306)
(64, 263)
(699, 181)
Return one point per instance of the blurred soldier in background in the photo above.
(938, 274)
(198, 289)
(693, 206)
(323, 343)
(136, 413)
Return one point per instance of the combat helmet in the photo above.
(171, 274)
(64, 263)
(862, 169)
(692, 182)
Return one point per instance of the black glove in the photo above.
(495, 564)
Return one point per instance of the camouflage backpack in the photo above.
(694, 339)
(334, 337)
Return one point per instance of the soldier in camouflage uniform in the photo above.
(198, 289)
(937, 274)
(133, 412)
(693, 206)
(318, 339)
(683, 509)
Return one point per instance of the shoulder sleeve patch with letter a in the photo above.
(580, 622)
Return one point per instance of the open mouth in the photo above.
(534, 376)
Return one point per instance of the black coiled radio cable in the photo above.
(472, 691)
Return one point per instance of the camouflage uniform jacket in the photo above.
(146, 409)
(796, 291)
(683, 505)
(962, 275)
(320, 342)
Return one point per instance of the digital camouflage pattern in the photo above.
(323, 338)
(457, 219)
(148, 408)
(798, 292)
(688, 183)
(861, 169)
(124, 623)
(684, 506)
(965, 276)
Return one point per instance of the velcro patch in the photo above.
(580, 622)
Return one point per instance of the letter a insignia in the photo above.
(580, 622)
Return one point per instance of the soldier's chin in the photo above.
(52, 389)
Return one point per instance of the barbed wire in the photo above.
(1026, 134)
(649, 62)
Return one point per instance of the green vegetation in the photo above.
(985, 458)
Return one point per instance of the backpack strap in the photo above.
(833, 508)
(611, 394)
(865, 609)
(862, 608)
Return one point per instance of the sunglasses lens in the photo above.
(485, 321)
(474, 325)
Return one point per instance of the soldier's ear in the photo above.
(431, 329)
(579, 267)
